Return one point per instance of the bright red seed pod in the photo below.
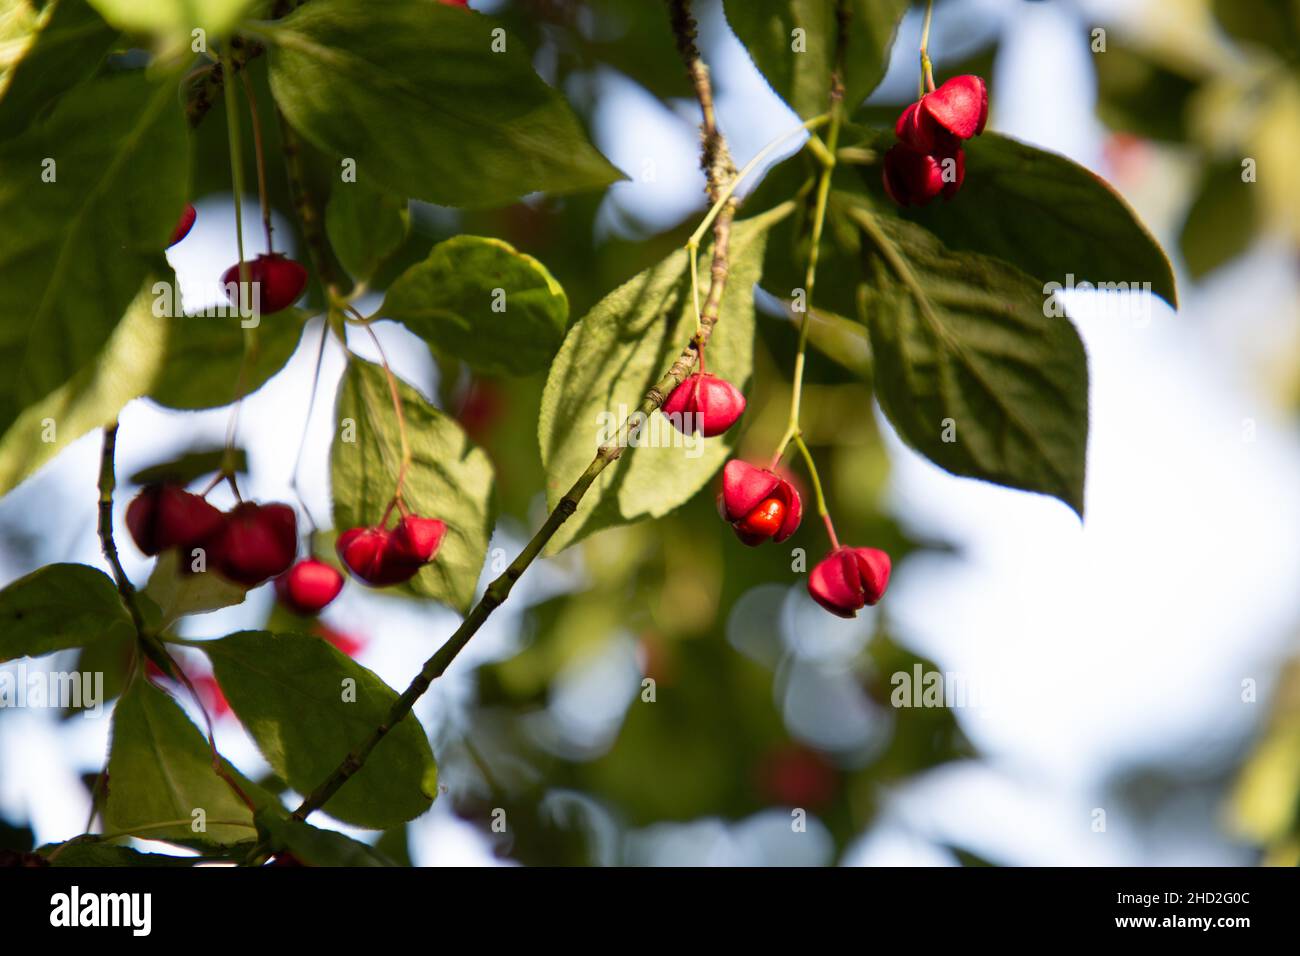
(918, 129)
(960, 105)
(167, 516)
(746, 501)
(362, 552)
(707, 401)
(183, 226)
(417, 539)
(380, 557)
(279, 282)
(913, 178)
(848, 579)
(308, 586)
(257, 543)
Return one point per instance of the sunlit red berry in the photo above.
(308, 586)
(746, 491)
(705, 403)
(848, 579)
(258, 542)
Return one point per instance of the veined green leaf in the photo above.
(59, 606)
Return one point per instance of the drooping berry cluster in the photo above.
(382, 556)
(928, 158)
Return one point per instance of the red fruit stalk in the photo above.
(705, 403)
(928, 159)
(848, 579)
(759, 504)
(308, 586)
(278, 283)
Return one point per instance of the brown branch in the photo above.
(107, 485)
(717, 165)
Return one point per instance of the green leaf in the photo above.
(92, 398)
(366, 224)
(203, 357)
(313, 846)
(44, 55)
(609, 360)
(193, 465)
(74, 251)
(56, 607)
(965, 350)
(1222, 221)
(160, 770)
(418, 94)
(178, 594)
(95, 853)
(1044, 214)
(307, 705)
(480, 300)
(450, 478)
(799, 65)
(174, 17)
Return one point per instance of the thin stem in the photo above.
(262, 196)
(245, 285)
(810, 281)
(817, 490)
(401, 428)
(927, 68)
(499, 590)
(311, 406)
(107, 485)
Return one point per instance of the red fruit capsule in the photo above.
(849, 579)
(961, 106)
(278, 282)
(706, 403)
(167, 516)
(417, 539)
(747, 489)
(913, 178)
(257, 543)
(183, 226)
(308, 586)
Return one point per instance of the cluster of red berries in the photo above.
(928, 159)
(761, 505)
(253, 543)
(279, 280)
(382, 556)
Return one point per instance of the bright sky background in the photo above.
(1135, 629)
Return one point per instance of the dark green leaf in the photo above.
(160, 771)
(193, 465)
(799, 64)
(60, 46)
(204, 357)
(612, 356)
(415, 93)
(94, 853)
(1274, 24)
(1222, 221)
(307, 705)
(1047, 216)
(479, 300)
(366, 224)
(312, 846)
(59, 606)
(73, 252)
(970, 368)
(450, 478)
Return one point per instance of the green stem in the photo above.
(810, 279)
(107, 485)
(250, 334)
(817, 490)
(926, 81)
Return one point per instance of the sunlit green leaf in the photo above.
(59, 606)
